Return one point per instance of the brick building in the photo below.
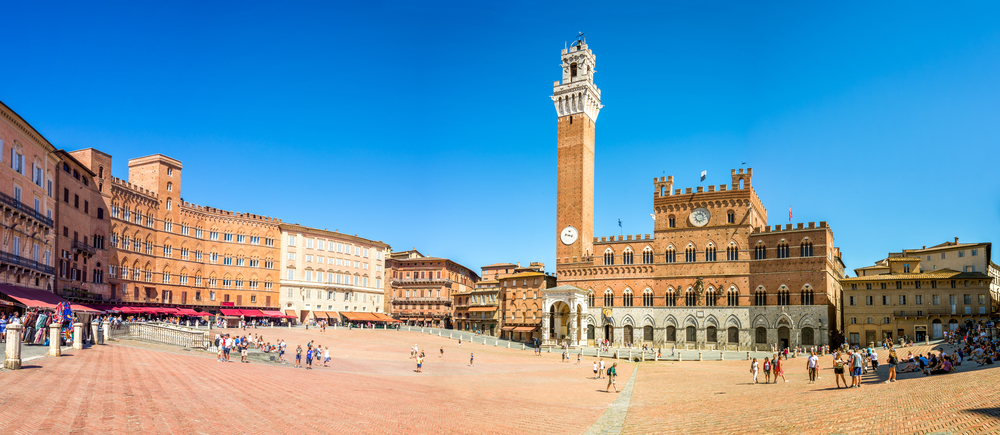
(27, 162)
(521, 302)
(900, 297)
(713, 274)
(168, 251)
(329, 274)
(82, 228)
(421, 289)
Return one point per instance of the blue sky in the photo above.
(428, 124)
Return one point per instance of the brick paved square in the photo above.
(371, 387)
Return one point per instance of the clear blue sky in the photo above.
(429, 124)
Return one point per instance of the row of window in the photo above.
(331, 295)
(917, 284)
(333, 278)
(331, 246)
(185, 230)
(332, 261)
(138, 274)
(918, 300)
(139, 246)
(691, 254)
(672, 220)
(711, 298)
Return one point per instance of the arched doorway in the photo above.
(559, 321)
(808, 336)
(628, 334)
(609, 333)
(671, 333)
(760, 335)
(953, 325)
(647, 333)
(590, 332)
(783, 339)
(692, 334)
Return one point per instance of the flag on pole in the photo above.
(652, 216)
(619, 223)
(703, 174)
(789, 214)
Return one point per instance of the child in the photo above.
(420, 363)
(753, 369)
(595, 369)
(578, 358)
(472, 360)
(442, 352)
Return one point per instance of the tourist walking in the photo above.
(442, 352)
(753, 369)
(601, 372)
(326, 357)
(612, 374)
(838, 370)
(767, 371)
(472, 360)
(595, 369)
(893, 361)
(856, 366)
(779, 369)
(309, 358)
(298, 357)
(420, 363)
(812, 365)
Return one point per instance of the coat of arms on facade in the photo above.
(699, 287)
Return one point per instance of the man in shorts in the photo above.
(612, 374)
(857, 362)
(298, 356)
(309, 359)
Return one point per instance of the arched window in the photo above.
(732, 252)
(672, 221)
(710, 299)
(760, 252)
(711, 334)
(647, 298)
(806, 249)
(808, 336)
(783, 298)
(733, 297)
(689, 254)
(734, 334)
(627, 298)
(760, 297)
(627, 256)
(590, 299)
(647, 255)
(807, 295)
(671, 298)
(710, 252)
(647, 333)
(609, 257)
(572, 69)
(783, 249)
(609, 298)
(671, 333)
(671, 255)
(760, 337)
(731, 217)
(690, 298)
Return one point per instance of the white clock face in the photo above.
(700, 217)
(568, 235)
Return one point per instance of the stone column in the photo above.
(54, 349)
(107, 331)
(94, 330)
(574, 340)
(78, 335)
(545, 327)
(13, 360)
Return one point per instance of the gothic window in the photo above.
(690, 298)
(690, 255)
(711, 334)
(710, 253)
(590, 299)
(671, 255)
(609, 257)
(671, 298)
(671, 333)
(760, 252)
(627, 257)
(783, 298)
(572, 70)
(760, 297)
(732, 252)
(710, 298)
(647, 298)
(807, 296)
(783, 250)
(647, 255)
(806, 249)
(733, 297)
(672, 222)
(627, 298)
(609, 298)
(731, 217)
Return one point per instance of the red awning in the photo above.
(167, 310)
(34, 298)
(230, 312)
(525, 328)
(507, 328)
(252, 313)
(190, 312)
(272, 313)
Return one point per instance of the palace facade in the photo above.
(712, 274)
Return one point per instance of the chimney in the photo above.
(956, 240)
(925, 247)
(519, 263)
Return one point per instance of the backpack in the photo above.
(610, 371)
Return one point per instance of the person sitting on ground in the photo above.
(944, 368)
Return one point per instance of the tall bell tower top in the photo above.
(577, 92)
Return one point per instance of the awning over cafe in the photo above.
(507, 328)
(35, 298)
(525, 328)
(251, 313)
(230, 312)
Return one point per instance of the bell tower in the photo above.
(577, 101)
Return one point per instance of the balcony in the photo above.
(27, 263)
(79, 246)
(12, 203)
(420, 281)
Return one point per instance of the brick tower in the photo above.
(577, 101)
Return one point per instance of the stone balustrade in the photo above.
(163, 333)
